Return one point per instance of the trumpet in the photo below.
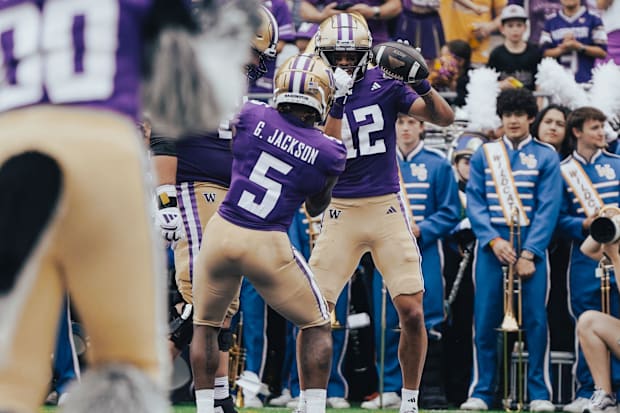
(603, 271)
(513, 318)
(236, 361)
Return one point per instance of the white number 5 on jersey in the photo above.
(273, 188)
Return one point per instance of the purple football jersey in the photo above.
(204, 158)
(72, 52)
(277, 163)
(368, 131)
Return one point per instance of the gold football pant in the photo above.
(99, 246)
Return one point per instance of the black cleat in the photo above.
(225, 405)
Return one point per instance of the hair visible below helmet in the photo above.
(304, 80)
(465, 145)
(264, 43)
(345, 32)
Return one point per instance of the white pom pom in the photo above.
(559, 84)
(605, 91)
(481, 100)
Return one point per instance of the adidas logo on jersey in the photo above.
(375, 86)
(391, 210)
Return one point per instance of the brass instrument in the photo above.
(603, 271)
(512, 322)
(236, 361)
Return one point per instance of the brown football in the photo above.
(400, 61)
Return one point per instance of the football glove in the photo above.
(168, 215)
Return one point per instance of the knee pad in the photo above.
(116, 388)
(181, 328)
(225, 339)
(30, 184)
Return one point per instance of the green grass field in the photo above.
(190, 408)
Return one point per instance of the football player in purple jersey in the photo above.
(193, 178)
(280, 160)
(75, 205)
(367, 214)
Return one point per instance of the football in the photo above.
(400, 61)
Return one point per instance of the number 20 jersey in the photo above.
(83, 52)
(277, 163)
(369, 133)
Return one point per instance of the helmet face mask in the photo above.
(345, 32)
(264, 44)
(305, 80)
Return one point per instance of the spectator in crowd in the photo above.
(550, 127)
(431, 195)
(474, 27)
(420, 24)
(576, 38)
(610, 14)
(532, 197)
(598, 334)
(516, 60)
(376, 13)
(537, 10)
(591, 177)
(450, 71)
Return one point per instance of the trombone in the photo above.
(603, 271)
(513, 316)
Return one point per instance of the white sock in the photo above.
(221, 388)
(204, 401)
(302, 399)
(409, 401)
(315, 400)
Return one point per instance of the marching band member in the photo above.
(513, 172)
(591, 178)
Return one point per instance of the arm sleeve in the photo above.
(548, 201)
(567, 223)
(162, 146)
(440, 223)
(477, 209)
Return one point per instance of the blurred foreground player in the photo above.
(74, 193)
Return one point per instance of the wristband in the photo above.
(166, 196)
(337, 109)
(493, 241)
(422, 87)
(376, 12)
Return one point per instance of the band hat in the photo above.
(513, 11)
